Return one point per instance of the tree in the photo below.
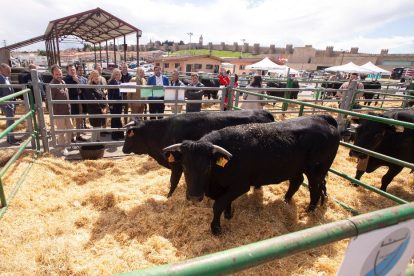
(170, 43)
(86, 46)
(181, 43)
(41, 52)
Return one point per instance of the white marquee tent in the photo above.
(350, 68)
(264, 64)
(369, 65)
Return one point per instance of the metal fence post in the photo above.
(29, 123)
(39, 109)
(51, 117)
(230, 95)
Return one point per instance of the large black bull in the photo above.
(150, 137)
(281, 93)
(386, 139)
(224, 164)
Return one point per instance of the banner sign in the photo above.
(382, 252)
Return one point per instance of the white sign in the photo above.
(381, 252)
(127, 90)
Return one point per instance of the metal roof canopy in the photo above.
(92, 26)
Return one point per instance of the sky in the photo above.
(370, 25)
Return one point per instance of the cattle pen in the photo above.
(248, 256)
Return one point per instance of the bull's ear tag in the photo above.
(399, 128)
(131, 134)
(222, 161)
(171, 158)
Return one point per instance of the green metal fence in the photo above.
(266, 251)
(34, 135)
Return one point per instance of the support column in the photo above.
(57, 46)
(100, 53)
(107, 56)
(125, 49)
(137, 50)
(114, 52)
(94, 51)
(54, 51)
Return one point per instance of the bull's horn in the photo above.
(132, 123)
(222, 151)
(176, 147)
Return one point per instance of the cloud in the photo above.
(318, 23)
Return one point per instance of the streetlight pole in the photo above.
(241, 52)
(343, 53)
(189, 45)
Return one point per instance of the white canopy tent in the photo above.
(350, 68)
(369, 65)
(264, 64)
(284, 70)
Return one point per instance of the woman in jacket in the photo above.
(256, 83)
(115, 108)
(96, 94)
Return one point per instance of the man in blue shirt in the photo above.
(7, 109)
(159, 80)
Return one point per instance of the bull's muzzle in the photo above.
(194, 198)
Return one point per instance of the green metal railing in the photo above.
(35, 135)
(252, 255)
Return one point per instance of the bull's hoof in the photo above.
(228, 214)
(257, 187)
(169, 194)
(216, 230)
(310, 209)
(353, 184)
(287, 200)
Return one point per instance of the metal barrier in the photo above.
(33, 135)
(259, 253)
(82, 86)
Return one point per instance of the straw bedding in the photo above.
(111, 216)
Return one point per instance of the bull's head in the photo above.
(134, 139)
(197, 160)
(370, 134)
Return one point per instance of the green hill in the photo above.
(213, 53)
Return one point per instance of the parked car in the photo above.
(112, 66)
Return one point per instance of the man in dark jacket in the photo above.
(125, 77)
(28, 79)
(7, 109)
(74, 94)
(193, 94)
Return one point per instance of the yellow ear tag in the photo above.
(222, 161)
(399, 128)
(171, 158)
(131, 134)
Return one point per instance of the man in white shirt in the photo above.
(175, 81)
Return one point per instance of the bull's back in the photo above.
(281, 148)
(196, 125)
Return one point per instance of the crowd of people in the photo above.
(75, 75)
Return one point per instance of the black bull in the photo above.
(386, 139)
(373, 85)
(281, 93)
(224, 164)
(150, 137)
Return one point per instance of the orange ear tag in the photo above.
(171, 158)
(131, 134)
(222, 161)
